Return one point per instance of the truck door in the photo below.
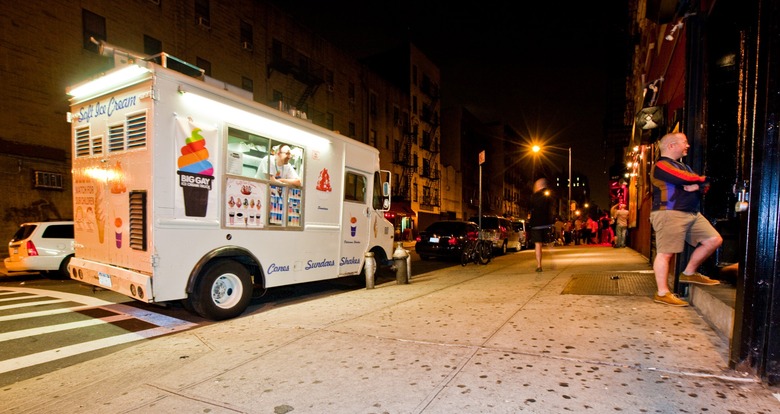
(355, 221)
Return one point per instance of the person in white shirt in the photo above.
(280, 169)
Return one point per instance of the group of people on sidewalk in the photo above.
(675, 218)
(589, 231)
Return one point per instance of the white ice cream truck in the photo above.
(173, 199)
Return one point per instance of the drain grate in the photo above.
(611, 284)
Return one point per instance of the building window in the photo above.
(372, 104)
(351, 92)
(329, 81)
(152, 46)
(414, 105)
(329, 121)
(387, 141)
(202, 13)
(48, 180)
(246, 33)
(247, 84)
(93, 26)
(352, 130)
(203, 64)
(372, 138)
(414, 74)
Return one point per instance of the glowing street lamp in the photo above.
(537, 149)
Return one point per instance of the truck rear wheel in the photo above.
(223, 290)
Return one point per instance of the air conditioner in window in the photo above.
(204, 22)
(246, 46)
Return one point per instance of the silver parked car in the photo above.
(500, 232)
(41, 247)
(519, 226)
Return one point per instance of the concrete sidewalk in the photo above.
(499, 338)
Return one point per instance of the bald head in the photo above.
(540, 184)
(673, 145)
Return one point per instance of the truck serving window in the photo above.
(263, 187)
(253, 156)
(246, 152)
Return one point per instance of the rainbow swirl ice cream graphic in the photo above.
(195, 174)
(194, 155)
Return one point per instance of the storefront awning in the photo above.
(401, 208)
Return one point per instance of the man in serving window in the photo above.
(281, 170)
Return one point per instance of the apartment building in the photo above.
(251, 46)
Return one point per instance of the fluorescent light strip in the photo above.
(109, 81)
(255, 123)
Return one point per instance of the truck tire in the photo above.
(223, 290)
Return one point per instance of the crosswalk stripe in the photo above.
(48, 312)
(60, 327)
(87, 300)
(76, 349)
(164, 325)
(31, 304)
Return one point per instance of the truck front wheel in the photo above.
(223, 291)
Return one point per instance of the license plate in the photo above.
(434, 240)
(104, 279)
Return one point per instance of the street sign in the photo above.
(481, 157)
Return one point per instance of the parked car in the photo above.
(519, 227)
(445, 239)
(41, 247)
(500, 232)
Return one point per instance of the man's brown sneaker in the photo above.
(669, 299)
(698, 279)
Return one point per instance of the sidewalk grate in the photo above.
(611, 283)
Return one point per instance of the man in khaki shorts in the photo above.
(676, 218)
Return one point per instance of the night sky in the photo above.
(538, 66)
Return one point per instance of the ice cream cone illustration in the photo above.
(195, 174)
(100, 215)
(118, 232)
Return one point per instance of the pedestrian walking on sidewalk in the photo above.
(621, 225)
(676, 219)
(541, 218)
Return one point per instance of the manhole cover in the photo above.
(611, 284)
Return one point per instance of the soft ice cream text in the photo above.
(106, 109)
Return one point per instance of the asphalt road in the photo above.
(47, 324)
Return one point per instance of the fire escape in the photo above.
(405, 157)
(287, 60)
(431, 168)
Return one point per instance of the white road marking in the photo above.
(165, 325)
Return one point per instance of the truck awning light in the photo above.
(112, 80)
(262, 125)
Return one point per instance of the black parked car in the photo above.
(445, 239)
